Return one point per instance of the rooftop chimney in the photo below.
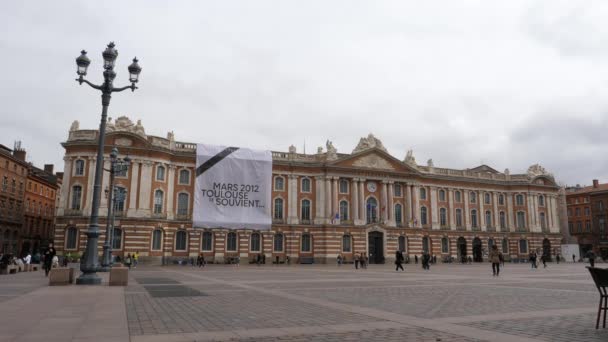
(18, 152)
(48, 168)
(596, 183)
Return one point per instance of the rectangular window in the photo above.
(306, 246)
(278, 243)
(346, 244)
(578, 211)
(571, 227)
(207, 244)
(587, 211)
(588, 227)
(231, 242)
(343, 186)
(523, 246)
(579, 227)
(397, 190)
(444, 246)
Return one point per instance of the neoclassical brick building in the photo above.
(326, 203)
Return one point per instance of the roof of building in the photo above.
(587, 189)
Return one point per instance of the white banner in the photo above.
(232, 187)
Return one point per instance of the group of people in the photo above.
(130, 260)
(359, 259)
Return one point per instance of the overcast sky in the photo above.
(463, 82)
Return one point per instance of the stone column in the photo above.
(133, 189)
(354, 191)
(363, 213)
(481, 216)
(146, 189)
(495, 208)
(88, 203)
(384, 202)
(434, 216)
(170, 191)
(416, 190)
(466, 215)
(320, 198)
(391, 204)
(408, 205)
(103, 206)
(292, 194)
(531, 224)
(451, 209)
(510, 214)
(335, 201)
(65, 187)
(328, 199)
(556, 225)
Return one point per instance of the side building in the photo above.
(587, 217)
(323, 204)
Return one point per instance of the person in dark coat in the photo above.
(356, 261)
(591, 257)
(495, 260)
(416, 259)
(399, 260)
(48, 259)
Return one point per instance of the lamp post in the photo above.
(117, 165)
(89, 264)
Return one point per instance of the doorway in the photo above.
(376, 247)
(547, 249)
(477, 256)
(462, 249)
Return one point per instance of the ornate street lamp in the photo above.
(89, 264)
(117, 165)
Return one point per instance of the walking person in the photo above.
(543, 258)
(49, 254)
(557, 259)
(356, 261)
(339, 259)
(363, 261)
(495, 260)
(128, 260)
(398, 260)
(416, 259)
(573, 258)
(135, 259)
(591, 257)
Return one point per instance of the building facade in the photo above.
(27, 203)
(324, 204)
(587, 217)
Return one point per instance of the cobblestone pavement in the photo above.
(315, 303)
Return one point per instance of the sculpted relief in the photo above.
(373, 161)
(367, 143)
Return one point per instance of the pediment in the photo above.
(373, 159)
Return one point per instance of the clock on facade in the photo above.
(371, 187)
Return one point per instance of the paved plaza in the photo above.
(309, 303)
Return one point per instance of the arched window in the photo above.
(158, 201)
(457, 196)
(160, 173)
(489, 219)
(306, 244)
(541, 200)
(543, 223)
(423, 220)
(443, 217)
(422, 193)
(255, 242)
(231, 242)
(207, 243)
(519, 199)
(459, 217)
(279, 183)
(490, 243)
(278, 208)
(487, 199)
(72, 238)
(157, 239)
(305, 184)
(474, 218)
(120, 193)
(372, 210)
(402, 243)
(184, 176)
(79, 168)
(76, 197)
(278, 242)
(501, 199)
(523, 246)
(503, 220)
(343, 186)
(305, 211)
(398, 214)
(472, 197)
(343, 210)
(117, 239)
(521, 220)
(445, 245)
(505, 246)
(181, 240)
(346, 244)
(442, 195)
(183, 201)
